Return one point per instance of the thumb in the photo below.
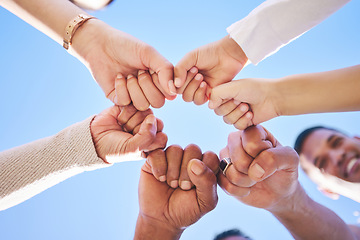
(183, 66)
(223, 92)
(272, 160)
(146, 135)
(205, 183)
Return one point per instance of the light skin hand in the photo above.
(118, 131)
(195, 90)
(272, 169)
(219, 62)
(112, 55)
(254, 92)
(173, 209)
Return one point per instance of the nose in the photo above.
(337, 156)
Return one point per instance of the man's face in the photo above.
(235, 238)
(334, 153)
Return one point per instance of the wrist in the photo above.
(149, 228)
(234, 49)
(291, 205)
(278, 95)
(86, 38)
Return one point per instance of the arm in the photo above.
(94, 143)
(332, 91)
(109, 54)
(264, 31)
(307, 219)
(265, 175)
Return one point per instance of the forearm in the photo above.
(153, 230)
(332, 91)
(265, 30)
(32, 168)
(48, 16)
(306, 219)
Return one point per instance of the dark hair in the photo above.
(304, 134)
(231, 233)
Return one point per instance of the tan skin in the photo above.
(334, 153)
(173, 209)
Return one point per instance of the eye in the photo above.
(337, 142)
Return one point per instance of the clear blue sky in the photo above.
(44, 89)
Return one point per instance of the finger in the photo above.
(211, 160)
(200, 94)
(156, 81)
(137, 96)
(159, 124)
(174, 156)
(205, 181)
(183, 66)
(238, 178)
(122, 97)
(190, 152)
(126, 113)
(158, 143)
(136, 120)
(189, 77)
(225, 108)
(245, 121)
(223, 92)
(152, 93)
(165, 71)
(145, 137)
(272, 160)
(158, 163)
(240, 159)
(236, 114)
(232, 189)
(189, 92)
(255, 140)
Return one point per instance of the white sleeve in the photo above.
(275, 23)
(27, 170)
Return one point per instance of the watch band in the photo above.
(71, 28)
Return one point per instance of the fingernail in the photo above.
(172, 87)
(119, 76)
(185, 185)
(177, 82)
(211, 104)
(151, 71)
(141, 72)
(193, 70)
(162, 178)
(198, 77)
(130, 76)
(150, 120)
(197, 168)
(115, 99)
(258, 171)
(243, 108)
(249, 115)
(174, 183)
(202, 84)
(237, 102)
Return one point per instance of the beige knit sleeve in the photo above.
(32, 168)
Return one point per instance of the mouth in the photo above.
(350, 165)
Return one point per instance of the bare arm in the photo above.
(307, 219)
(332, 91)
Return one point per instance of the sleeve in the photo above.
(275, 23)
(27, 170)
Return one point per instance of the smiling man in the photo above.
(332, 160)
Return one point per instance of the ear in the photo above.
(329, 193)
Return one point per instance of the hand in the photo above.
(173, 209)
(255, 92)
(121, 133)
(263, 174)
(218, 62)
(195, 89)
(112, 55)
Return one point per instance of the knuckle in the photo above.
(192, 148)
